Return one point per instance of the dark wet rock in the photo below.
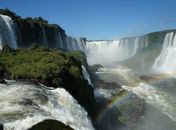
(106, 85)
(146, 78)
(50, 125)
(2, 80)
(2, 71)
(92, 72)
(105, 91)
(1, 127)
(27, 102)
(96, 67)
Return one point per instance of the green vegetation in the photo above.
(50, 67)
(40, 64)
(13, 15)
(157, 38)
(16, 18)
(37, 19)
(9, 13)
(79, 55)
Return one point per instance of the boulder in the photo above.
(50, 125)
(2, 71)
(1, 127)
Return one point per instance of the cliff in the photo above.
(37, 30)
(51, 67)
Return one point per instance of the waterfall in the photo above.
(103, 52)
(7, 35)
(86, 75)
(60, 40)
(24, 104)
(156, 97)
(165, 62)
(108, 52)
(76, 44)
(44, 40)
(0, 43)
(7, 32)
(146, 42)
(136, 44)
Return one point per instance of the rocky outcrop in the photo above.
(30, 32)
(131, 110)
(52, 68)
(1, 127)
(50, 125)
(2, 71)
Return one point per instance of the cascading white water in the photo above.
(7, 32)
(136, 44)
(76, 44)
(44, 40)
(165, 62)
(25, 104)
(86, 76)
(108, 52)
(60, 40)
(120, 75)
(102, 52)
(0, 43)
(160, 99)
(146, 41)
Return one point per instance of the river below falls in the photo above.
(157, 90)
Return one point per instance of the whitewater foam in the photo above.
(112, 51)
(160, 99)
(7, 33)
(165, 62)
(86, 76)
(24, 104)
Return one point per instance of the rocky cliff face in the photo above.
(30, 31)
(51, 36)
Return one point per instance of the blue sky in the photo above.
(100, 19)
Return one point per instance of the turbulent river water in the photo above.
(24, 104)
(158, 93)
(155, 85)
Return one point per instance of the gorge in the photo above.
(122, 84)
